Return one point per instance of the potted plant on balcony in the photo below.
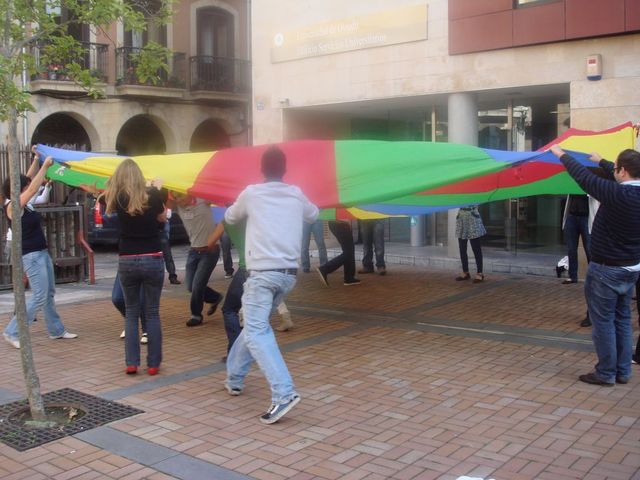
(54, 71)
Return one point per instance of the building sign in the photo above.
(400, 25)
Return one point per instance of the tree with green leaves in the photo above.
(35, 33)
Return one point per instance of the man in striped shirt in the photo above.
(615, 260)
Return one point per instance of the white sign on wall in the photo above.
(400, 25)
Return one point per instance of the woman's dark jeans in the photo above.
(477, 253)
(117, 298)
(146, 272)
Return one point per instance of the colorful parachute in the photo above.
(377, 177)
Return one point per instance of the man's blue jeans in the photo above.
(372, 238)
(574, 228)
(39, 269)
(608, 291)
(198, 270)
(146, 272)
(232, 305)
(314, 228)
(263, 291)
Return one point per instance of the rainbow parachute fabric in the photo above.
(377, 177)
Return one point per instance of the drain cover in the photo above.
(97, 412)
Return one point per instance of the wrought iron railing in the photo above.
(94, 57)
(220, 74)
(126, 69)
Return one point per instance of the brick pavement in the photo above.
(408, 376)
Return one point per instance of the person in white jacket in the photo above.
(274, 212)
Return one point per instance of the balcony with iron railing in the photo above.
(219, 75)
(93, 57)
(170, 82)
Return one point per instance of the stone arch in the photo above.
(67, 128)
(144, 134)
(209, 135)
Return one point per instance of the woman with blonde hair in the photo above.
(140, 264)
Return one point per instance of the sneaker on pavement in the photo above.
(593, 380)
(285, 322)
(277, 411)
(173, 280)
(353, 281)
(144, 339)
(229, 274)
(323, 277)
(65, 335)
(14, 342)
(634, 360)
(214, 305)
(194, 322)
(586, 322)
(233, 391)
(382, 270)
(122, 335)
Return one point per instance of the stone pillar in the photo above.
(463, 128)
(417, 230)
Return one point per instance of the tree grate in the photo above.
(97, 412)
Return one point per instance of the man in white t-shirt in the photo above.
(274, 212)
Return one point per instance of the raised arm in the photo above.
(36, 182)
(35, 164)
(43, 195)
(31, 189)
(599, 188)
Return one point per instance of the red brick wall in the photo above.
(476, 26)
(632, 13)
(483, 32)
(589, 18)
(544, 23)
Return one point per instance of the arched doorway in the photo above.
(140, 136)
(62, 130)
(209, 135)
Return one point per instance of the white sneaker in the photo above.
(233, 391)
(66, 335)
(285, 322)
(14, 342)
(122, 334)
(144, 339)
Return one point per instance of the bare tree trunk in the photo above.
(31, 379)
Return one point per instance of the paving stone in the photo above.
(410, 376)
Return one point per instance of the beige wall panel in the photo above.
(613, 92)
(416, 68)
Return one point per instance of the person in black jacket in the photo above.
(615, 260)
